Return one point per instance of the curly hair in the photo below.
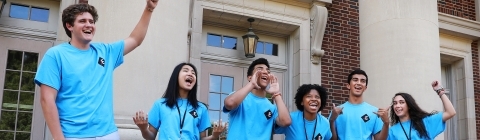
(70, 13)
(414, 111)
(305, 89)
(257, 62)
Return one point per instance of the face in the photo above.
(187, 78)
(83, 28)
(311, 102)
(400, 106)
(357, 85)
(264, 72)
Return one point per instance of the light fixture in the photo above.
(250, 41)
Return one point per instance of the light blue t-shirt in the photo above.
(252, 119)
(358, 122)
(296, 131)
(167, 120)
(83, 80)
(434, 125)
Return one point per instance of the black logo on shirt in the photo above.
(101, 61)
(194, 113)
(318, 137)
(365, 118)
(268, 114)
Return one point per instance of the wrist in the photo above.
(149, 9)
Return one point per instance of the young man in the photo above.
(252, 116)
(356, 119)
(75, 78)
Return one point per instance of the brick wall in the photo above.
(459, 8)
(341, 43)
(476, 84)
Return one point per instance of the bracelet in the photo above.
(441, 95)
(150, 9)
(439, 90)
(275, 95)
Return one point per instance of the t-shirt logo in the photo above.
(268, 114)
(318, 137)
(101, 61)
(194, 114)
(365, 118)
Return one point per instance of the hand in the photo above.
(274, 87)
(436, 85)
(218, 128)
(383, 113)
(141, 120)
(151, 4)
(335, 112)
(255, 77)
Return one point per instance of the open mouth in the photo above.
(87, 31)
(264, 78)
(189, 80)
(358, 87)
(313, 105)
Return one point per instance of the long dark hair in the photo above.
(172, 92)
(414, 111)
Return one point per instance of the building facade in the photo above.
(402, 45)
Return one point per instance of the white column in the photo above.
(399, 50)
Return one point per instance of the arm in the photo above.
(383, 134)
(48, 96)
(232, 101)
(283, 118)
(148, 131)
(140, 30)
(334, 131)
(333, 116)
(218, 129)
(383, 114)
(447, 104)
(203, 135)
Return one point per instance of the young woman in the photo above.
(306, 122)
(178, 115)
(410, 122)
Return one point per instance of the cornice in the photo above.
(457, 26)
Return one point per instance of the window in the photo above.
(220, 88)
(267, 48)
(18, 95)
(221, 41)
(29, 12)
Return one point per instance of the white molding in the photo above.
(27, 33)
(459, 26)
(235, 61)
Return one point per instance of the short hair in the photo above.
(305, 89)
(70, 13)
(357, 71)
(257, 62)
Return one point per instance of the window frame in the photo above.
(30, 7)
(222, 40)
(265, 48)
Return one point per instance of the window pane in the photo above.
(225, 117)
(24, 121)
(214, 101)
(275, 50)
(9, 100)
(6, 135)
(19, 11)
(14, 60)
(259, 47)
(227, 84)
(230, 42)
(39, 14)
(269, 48)
(22, 136)
(214, 40)
(223, 99)
(12, 80)
(214, 116)
(215, 83)
(7, 120)
(30, 62)
(27, 81)
(26, 101)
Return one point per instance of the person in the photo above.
(75, 78)
(306, 122)
(410, 122)
(252, 116)
(178, 115)
(356, 119)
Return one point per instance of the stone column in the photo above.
(399, 50)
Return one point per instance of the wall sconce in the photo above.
(250, 41)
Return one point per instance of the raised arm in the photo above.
(283, 118)
(48, 95)
(233, 100)
(447, 104)
(139, 32)
(217, 129)
(148, 131)
(333, 116)
(383, 114)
